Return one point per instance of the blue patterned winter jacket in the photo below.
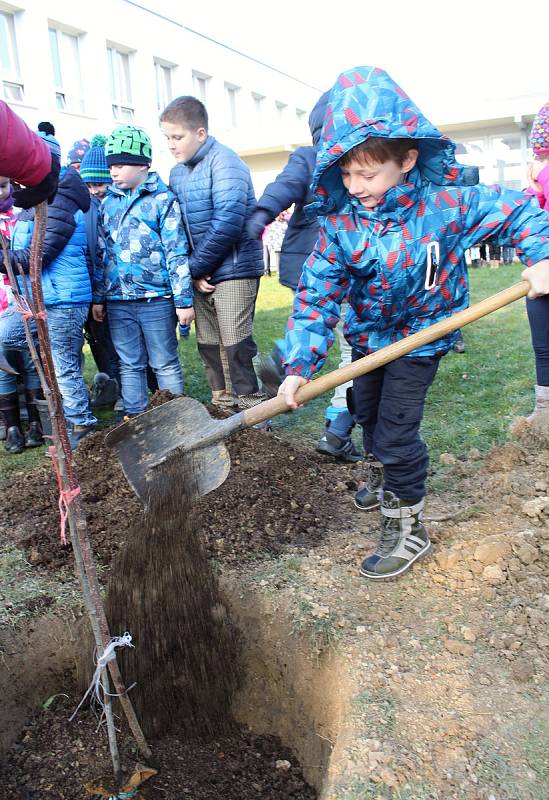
(146, 249)
(215, 192)
(378, 258)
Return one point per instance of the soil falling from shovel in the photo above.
(163, 591)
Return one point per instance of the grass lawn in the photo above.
(471, 403)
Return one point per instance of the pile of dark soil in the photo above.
(54, 759)
(276, 496)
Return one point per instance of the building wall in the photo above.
(143, 36)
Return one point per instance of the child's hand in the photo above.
(98, 312)
(202, 285)
(538, 278)
(289, 387)
(185, 315)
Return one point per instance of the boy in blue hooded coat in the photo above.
(398, 214)
(145, 280)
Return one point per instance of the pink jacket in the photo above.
(543, 196)
(24, 156)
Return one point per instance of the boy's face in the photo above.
(98, 189)
(368, 181)
(128, 176)
(4, 188)
(183, 142)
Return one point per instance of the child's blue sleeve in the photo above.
(317, 307)
(176, 251)
(510, 217)
(99, 275)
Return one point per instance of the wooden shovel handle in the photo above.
(271, 408)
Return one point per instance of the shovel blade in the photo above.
(179, 433)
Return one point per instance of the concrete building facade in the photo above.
(89, 67)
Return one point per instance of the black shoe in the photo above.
(105, 391)
(338, 447)
(368, 497)
(15, 441)
(34, 437)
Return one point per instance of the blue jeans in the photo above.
(144, 331)
(20, 359)
(66, 327)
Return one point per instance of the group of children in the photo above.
(396, 214)
(146, 259)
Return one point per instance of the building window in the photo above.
(300, 114)
(11, 77)
(121, 90)
(163, 74)
(258, 106)
(280, 111)
(231, 93)
(200, 86)
(66, 71)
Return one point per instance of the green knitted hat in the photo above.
(128, 145)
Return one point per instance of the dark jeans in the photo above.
(389, 405)
(538, 316)
(98, 336)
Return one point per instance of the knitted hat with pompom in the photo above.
(539, 138)
(93, 168)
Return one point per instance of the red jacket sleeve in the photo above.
(24, 156)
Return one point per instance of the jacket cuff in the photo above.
(300, 368)
(183, 302)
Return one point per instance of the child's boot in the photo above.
(9, 406)
(249, 401)
(369, 497)
(337, 441)
(34, 436)
(3, 429)
(542, 401)
(403, 538)
(225, 401)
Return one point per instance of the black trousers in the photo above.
(389, 405)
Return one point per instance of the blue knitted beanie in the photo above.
(52, 143)
(94, 168)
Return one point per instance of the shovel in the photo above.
(181, 432)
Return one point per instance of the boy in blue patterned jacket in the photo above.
(397, 215)
(145, 279)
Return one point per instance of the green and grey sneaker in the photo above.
(403, 539)
(368, 497)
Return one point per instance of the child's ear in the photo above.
(410, 160)
(202, 135)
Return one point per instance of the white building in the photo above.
(87, 67)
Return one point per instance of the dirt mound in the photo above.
(53, 760)
(276, 496)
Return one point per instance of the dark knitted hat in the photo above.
(94, 167)
(77, 151)
(539, 138)
(128, 145)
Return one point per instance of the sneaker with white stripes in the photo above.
(403, 539)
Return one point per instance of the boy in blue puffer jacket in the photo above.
(67, 289)
(398, 216)
(214, 189)
(145, 280)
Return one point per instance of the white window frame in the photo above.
(163, 73)
(231, 96)
(259, 104)
(13, 88)
(200, 86)
(119, 64)
(67, 74)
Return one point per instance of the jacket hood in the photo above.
(364, 102)
(72, 187)
(316, 117)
